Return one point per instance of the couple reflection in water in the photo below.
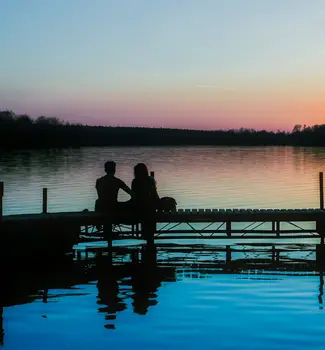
(138, 281)
(144, 197)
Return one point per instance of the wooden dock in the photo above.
(63, 230)
(60, 231)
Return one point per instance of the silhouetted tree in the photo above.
(21, 131)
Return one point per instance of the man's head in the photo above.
(110, 167)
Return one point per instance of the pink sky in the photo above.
(186, 64)
(198, 107)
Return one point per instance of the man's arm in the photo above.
(126, 188)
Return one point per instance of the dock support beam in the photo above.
(228, 228)
(135, 256)
(276, 227)
(228, 254)
(320, 248)
(321, 191)
(1, 199)
(273, 253)
(320, 255)
(108, 236)
(321, 289)
(44, 203)
(108, 233)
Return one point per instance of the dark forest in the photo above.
(22, 131)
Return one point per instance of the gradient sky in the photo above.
(203, 64)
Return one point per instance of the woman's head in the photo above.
(140, 170)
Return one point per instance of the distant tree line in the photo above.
(21, 131)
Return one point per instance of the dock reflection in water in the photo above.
(183, 295)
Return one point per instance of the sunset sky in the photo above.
(202, 64)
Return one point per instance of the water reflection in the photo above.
(1, 326)
(134, 277)
(321, 289)
(109, 293)
(139, 280)
(145, 280)
(198, 177)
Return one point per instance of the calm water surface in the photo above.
(185, 296)
(198, 177)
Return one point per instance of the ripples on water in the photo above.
(185, 297)
(198, 177)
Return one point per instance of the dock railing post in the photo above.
(321, 190)
(320, 225)
(44, 204)
(1, 198)
(228, 254)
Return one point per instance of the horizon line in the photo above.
(63, 121)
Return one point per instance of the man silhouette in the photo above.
(107, 189)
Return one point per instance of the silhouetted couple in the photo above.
(143, 192)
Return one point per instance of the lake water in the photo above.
(191, 296)
(198, 177)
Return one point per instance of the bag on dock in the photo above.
(167, 204)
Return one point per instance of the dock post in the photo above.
(108, 233)
(273, 253)
(320, 255)
(1, 199)
(277, 256)
(135, 256)
(277, 228)
(44, 203)
(321, 190)
(149, 227)
(320, 229)
(320, 248)
(1, 326)
(228, 254)
(321, 289)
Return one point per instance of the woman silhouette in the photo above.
(146, 199)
